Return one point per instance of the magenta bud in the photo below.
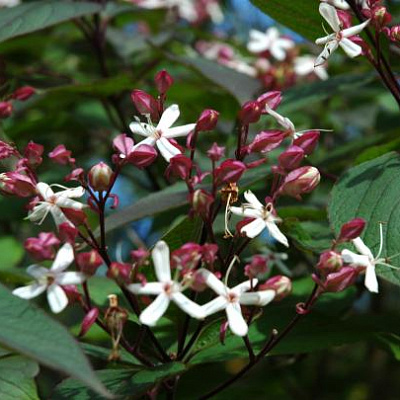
(215, 153)
(394, 33)
(88, 262)
(201, 202)
(380, 16)
(33, 154)
(67, 232)
(269, 100)
(142, 156)
(179, 166)
(307, 141)
(123, 144)
(89, 319)
(338, 281)
(266, 141)
(42, 247)
(222, 331)
(351, 230)
(145, 103)
(250, 113)
(140, 256)
(77, 217)
(6, 150)
(163, 81)
(61, 155)
(291, 158)
(229, 171)
(207, 120)
(258, 266)
(187, 256)
(14, 183)
(301, 180)
(121, 272)
(281, 284)
(77, 174)
(72, 293)
(329, 261)
(209, 251)
(23, 93)
(6, 109)
(100, 177)
(345, 18)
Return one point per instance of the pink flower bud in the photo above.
(198, 282)
(72, 293)
(380, 17)
(143, 156)
(307, 141)
(187, 256)
(351, 230)
(33, 154)
(301, 180)
(89, 319)
(6, 150)
(76, 175)
(121, 272)
(394, 33)
(250, 113)
(23, 93)
(145, 103)
(100, 177)
(201, 202)
(123, 144)
(61, 155)
(163, 81)
(180, 166)
(215, 153)
(6, 109)
(77, 217)
(222, 331)
(14, 183)
(42, 247)
(269, 100)
(88, 262)
(338, 281)
(258, 266)
(266, 141)
(140, 256)
(67, 232)
(209, 253)
(329, 261)
(291, 158)
(345, 18)
(281, 284)
(229, 171)
(207, 120)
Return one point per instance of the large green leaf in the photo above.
(29, 331)
(33, 16)
(372, 191)
(128, 384)
(11, 252)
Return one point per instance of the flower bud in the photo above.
(143, 156)
(67, 232)
(6, 150)
(209, 253)
(88, 262)
(180, 166)
(121, 272)
(23, 93)
(394, 33)
(72, 293)
(338, 281)
(163, 81)
(258, 266)
(329, 261)
(266, 141)
(33, 154)
(301, 180)
(187, 256)
(6, 109)
(207, 120)
(380, 17)
(269, 100)
(61, 155)
(351, 230)
(344, 18)
(14, 183)
(123, 144)
(307, 141)
(229, 171)
(201, 202)
(140, 256)
(145, 104)
(281, 284)
(77, 174)
(215, 153)
(198, 282)
(77, 217)
(291, 158)
(250, 113)
(100, 177)
(42, 247)
(89, 319)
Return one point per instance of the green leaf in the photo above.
(11, 252)
(31, 17)
(129, 384)
(391, 342)
(29, 331)
(301, 16)
(187, 230)
(372, 191)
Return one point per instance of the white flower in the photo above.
(264, 218)
(165, 289)
(340, 4)
(340, 37)
(231, 299)
(304, 66)
(52, 279)
(159, 135)
(52, 203)
(271, 41)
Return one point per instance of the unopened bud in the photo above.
(180, 166)
(266, 141)
(209, 253)
(201, 202)
(281, 284)
(380, 17)
(142, 156)
(88, 262)
(145, 103)
(329, 261)
(77, 217)
(307, 141)
(42, 247)
(33, 154)
(291, 158)
(100, 177)
(394, 33)
(67, 232)
(6, 109)
(207, 120)
(163, 81)
(269, 100)
(89, 319)
(215, 153)
(301, 180)
(140, 256)
(344, 18)
(351, 230)
(338, 281)
(121, 272)
(229, 171)
(23, 93)
(250, 112)
(16, 184)
(61, 155)
(258, 266)
(6, 150)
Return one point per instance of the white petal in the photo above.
(37, 271)
(57, 298)
(330, 15)
(187, 305)
(244, 287)
(371, 282)
(150, 141)
(276, 233)
(215, 305)
(151, 288)
(58, 216)
(252, 199)
(70, 278)
(350, 48)
(66, 202)
(39, 211)
(30, 291)
(155, 310)
(254, 228)
(329, 48)
(260, 299)
(178, 131)
(73, 193)
(167, 149)
(325, 39)
(354, 30)
(44, 190)
(278, 52)
(245, 212)
(169, 117)
(141, 128)
(362, 248)
(161, 261)
(213, 282)
(64, 258)
(353, 258)
(236, 322)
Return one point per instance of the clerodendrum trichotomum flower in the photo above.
(53, 202)
(264, 218)
(339, 37)
(165, 289)
(159, 135)
(52, 279)
(231, 299)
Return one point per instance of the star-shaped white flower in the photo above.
(53, 202)
(231, 299)
(304, 66)
(159, 135)
(339, 37)
(264, 218)
(272, 41)
(165, 289)
(52, 279)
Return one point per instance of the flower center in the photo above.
(232, 297)
(157, 134)
(52, 200)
